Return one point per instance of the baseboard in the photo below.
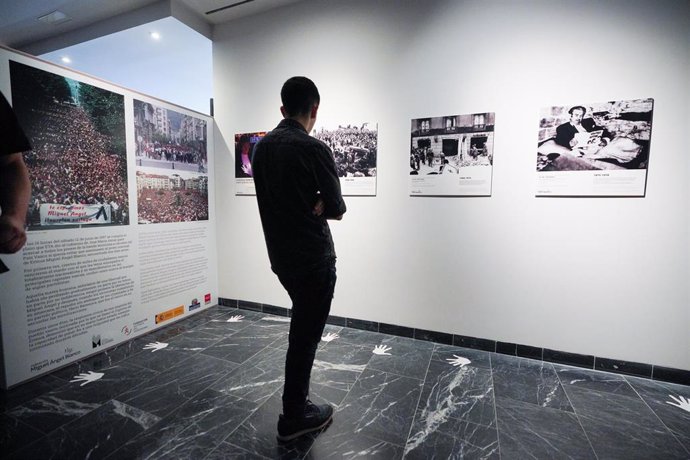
(649, 371)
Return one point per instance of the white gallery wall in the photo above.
(600, 276)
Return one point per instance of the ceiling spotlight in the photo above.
(65, 59)
(155, 35)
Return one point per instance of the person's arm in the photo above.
(333, 206)
(15, 192)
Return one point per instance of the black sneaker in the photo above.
(314, 418)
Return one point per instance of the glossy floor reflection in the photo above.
(209, 388)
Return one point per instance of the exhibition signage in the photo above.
(121, 185)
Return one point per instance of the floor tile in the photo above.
(361, 337)
(15, 434)
(339, 365)
(659, 396)
(454, 439)
(380, 405)
(67, 403)
(258, 434)
(257, 379)
(455, 393)
(167, 391)
(623, 427)
(594, 380)
(530, 431)
(527, 380)
(407, 357)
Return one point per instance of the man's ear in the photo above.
(314, 109)
(283, 112)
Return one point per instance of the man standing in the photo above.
(297, 189)
(15, 188)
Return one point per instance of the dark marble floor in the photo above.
(206, 388)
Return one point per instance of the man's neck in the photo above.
(304, 120)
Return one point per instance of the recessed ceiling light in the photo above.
(56, 17)
(155, 35)
(65, 59)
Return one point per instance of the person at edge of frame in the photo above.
(298, 190)
(15, 187)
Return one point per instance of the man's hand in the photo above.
(12, 234)
(318, 208)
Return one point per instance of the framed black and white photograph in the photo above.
(355, 150)
(452, 155)
(594, 149)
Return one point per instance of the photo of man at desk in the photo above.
(605, 136)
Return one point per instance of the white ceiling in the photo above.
(20, 28)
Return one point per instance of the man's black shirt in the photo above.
(12, 138)
(292, 171)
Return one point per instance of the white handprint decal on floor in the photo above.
(235, 319)
(458, 361)
(381, 350)
(681, 402)
(155, 346)
(87, 377)
(331, 336)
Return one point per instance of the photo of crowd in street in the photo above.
(176, 197)
(613, 135)
(167, 139)
(78, 164)
(444, 145)
(354, 148)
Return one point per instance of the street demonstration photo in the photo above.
(355, 148)
(174, 197)
(78, 165)
(167, 139)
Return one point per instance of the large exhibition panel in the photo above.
(121, 228)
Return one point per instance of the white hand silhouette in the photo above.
(87, 377)
(458, 361)
(681, 402)
(235, 319)
(381, 350)
(330, 337)
(155, 346)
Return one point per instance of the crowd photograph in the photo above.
(168, 139)
(613, 135)
(354, 148)
(78, 155)
(165, 198)
(444, 145)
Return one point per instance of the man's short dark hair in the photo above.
(299, 95)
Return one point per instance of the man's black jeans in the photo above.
(311, 294)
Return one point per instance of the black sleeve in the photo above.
(563, 135)
(12, 138)
(328, 183)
